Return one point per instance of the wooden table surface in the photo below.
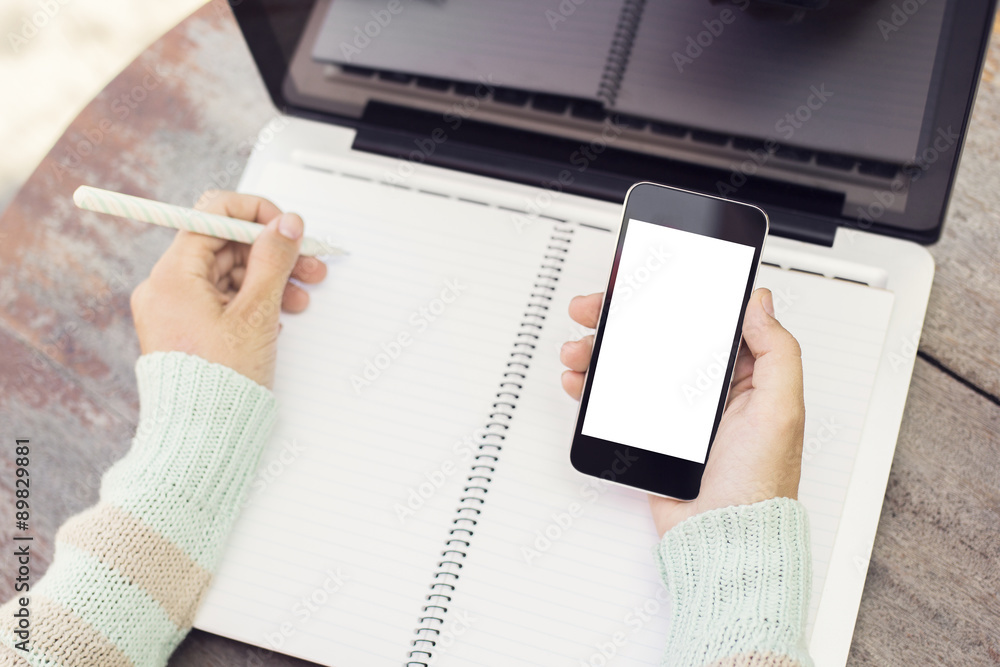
(190, 106)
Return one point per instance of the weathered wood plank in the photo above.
(74, 439)
(206, 650)
(65, 278)
(931, 596)
(179, 120)
(963, 320)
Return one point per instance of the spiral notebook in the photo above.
(416, 504)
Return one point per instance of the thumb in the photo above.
(777, 356)
(271, 260)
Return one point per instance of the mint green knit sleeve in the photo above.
(128, 574)
(739, 581)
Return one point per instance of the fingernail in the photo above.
(290, 226)
(768, 303)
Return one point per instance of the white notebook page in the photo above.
(529, 605)
(841, 329)
(754, 71)
(512, 43)
(594, 593)
(321, 564)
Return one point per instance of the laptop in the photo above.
(844, 123)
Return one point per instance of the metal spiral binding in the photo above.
(477, 484)
(620, 51)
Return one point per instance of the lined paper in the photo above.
(841, 329)
(516, 43)
(745, 79)
(321, 565)
(547, 589)
(561, 605)
(560, 570)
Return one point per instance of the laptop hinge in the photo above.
(592, 183)
(800, 226)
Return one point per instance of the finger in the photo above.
(224, 284)
(572, 382)
(237, 276)
(237, 205)
(227, 258)
(295, 299)
(271, 260)
(777, 357)
(191, 254)
(309, 270)
(195, 253)
(742, 373)
(744, 364)
(575, 354)
(256, 209)
(586, 309)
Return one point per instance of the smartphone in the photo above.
(667, 339)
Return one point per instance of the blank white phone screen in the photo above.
(672, 318)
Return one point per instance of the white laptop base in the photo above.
(859, 343)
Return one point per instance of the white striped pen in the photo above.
(178, 217)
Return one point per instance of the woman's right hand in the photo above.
(220, 300)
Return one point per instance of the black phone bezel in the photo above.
(700, 214)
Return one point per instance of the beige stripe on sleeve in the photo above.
(141, 555)
(61, 636)
(11, 657)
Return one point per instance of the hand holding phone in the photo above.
(757, 452)
(666, 359)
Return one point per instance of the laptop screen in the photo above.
(850, 114)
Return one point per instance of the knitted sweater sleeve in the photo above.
(739, 581)
(128, 573)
